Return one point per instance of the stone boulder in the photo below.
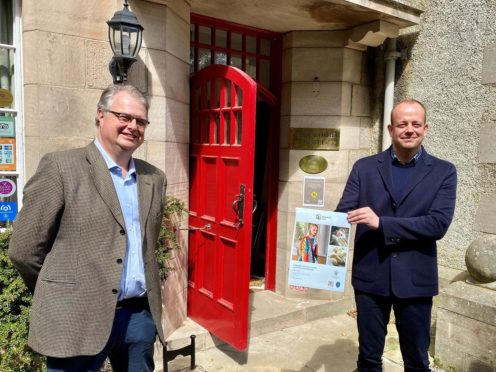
(480, 259)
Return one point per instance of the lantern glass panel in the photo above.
(112, 37)
(126, 41)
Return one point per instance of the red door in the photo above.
(223, 100)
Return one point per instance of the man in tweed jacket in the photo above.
(84, 244)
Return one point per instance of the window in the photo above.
(11, 121)
(251, 50)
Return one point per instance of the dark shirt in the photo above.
(401, 173)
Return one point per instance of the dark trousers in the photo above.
(413, 321)
(129, 348)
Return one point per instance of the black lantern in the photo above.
(125, 34)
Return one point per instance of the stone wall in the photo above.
(66, 56)
(466, 328)
(449, 69)
(324, 85)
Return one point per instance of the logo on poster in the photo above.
(7, 188)
(322, 217)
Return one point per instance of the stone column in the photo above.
(324, 86)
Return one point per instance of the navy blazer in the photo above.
(400, 258)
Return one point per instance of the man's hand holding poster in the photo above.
(319, 252)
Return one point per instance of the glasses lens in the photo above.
(124, 118)
(142, 122)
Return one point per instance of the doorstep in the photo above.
(269, 312)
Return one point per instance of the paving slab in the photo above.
(328, 344)
(286, 335)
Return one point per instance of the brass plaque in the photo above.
(313, 164)
(314, 139)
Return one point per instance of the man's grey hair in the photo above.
(109, 93)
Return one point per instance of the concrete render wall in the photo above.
(445, 71)
(66, 56)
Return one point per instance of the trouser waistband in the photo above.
(138, 303)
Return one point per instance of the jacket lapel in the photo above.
(103, 182)
(384, 168)
(145, 195)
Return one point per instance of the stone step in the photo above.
(269, 312)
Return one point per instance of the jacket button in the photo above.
(394, 254)
(114, 291)
(122, 232)
(119, 260)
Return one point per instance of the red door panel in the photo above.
(223, 108)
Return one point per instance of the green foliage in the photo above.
(438, 365)
(15, 302)
(174, 212)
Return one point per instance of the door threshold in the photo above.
(257, 283)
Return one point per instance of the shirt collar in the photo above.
(111, 164)
(413, 160)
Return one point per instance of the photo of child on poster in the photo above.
(307, 246)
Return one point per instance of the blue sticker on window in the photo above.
(8, 211)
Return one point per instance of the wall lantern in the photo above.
(125, 35)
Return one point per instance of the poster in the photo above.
(7, 154)
(319, 250)
(7, 126)
(313, 191)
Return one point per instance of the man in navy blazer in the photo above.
(402, 201)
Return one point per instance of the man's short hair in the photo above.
(411, 101)
(110, 92)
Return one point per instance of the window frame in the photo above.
(273, 39)
(18, 110)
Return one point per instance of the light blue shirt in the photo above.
(133, 282)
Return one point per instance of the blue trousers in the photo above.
(413, 322)
(129, 348)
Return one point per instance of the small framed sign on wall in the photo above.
(313, 191)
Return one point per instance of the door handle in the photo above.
(207, 227)
(238, 205)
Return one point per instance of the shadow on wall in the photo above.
(460, 277)
(405, 44)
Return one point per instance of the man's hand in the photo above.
(365, 216)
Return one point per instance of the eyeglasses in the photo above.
(127, 118)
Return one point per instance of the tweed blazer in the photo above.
(400, 258)
(69, 244)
